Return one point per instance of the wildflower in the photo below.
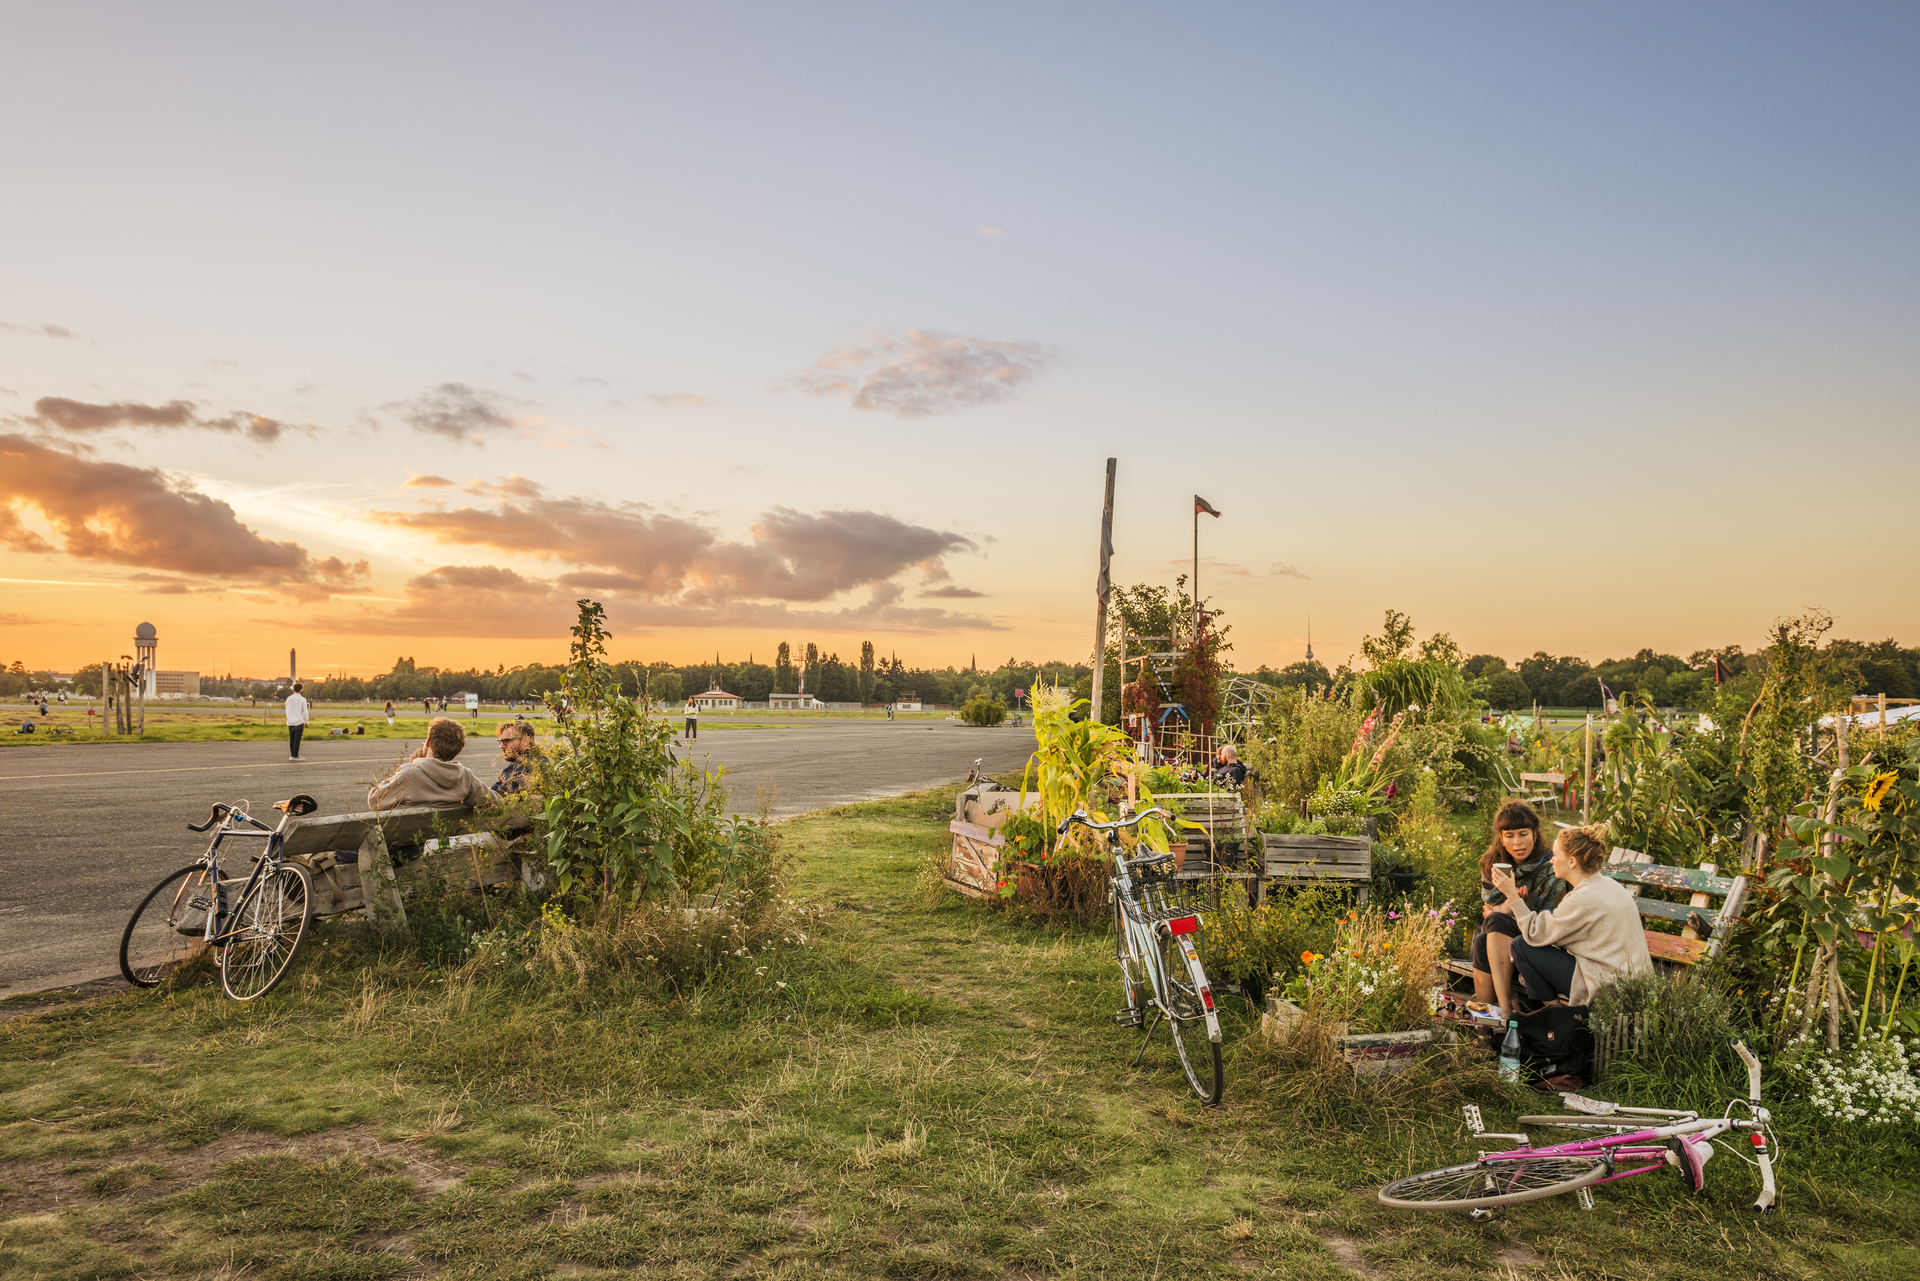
(1306, 958)
(1877, 790)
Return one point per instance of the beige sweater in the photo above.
(1599, 924)
(428, 781)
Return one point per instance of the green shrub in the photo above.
(983, 710)
(1686, 1023)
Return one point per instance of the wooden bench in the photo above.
(345, 853)
(1705, 928)
(1343, 861)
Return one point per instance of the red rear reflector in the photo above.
(1759, 1140)
(1185, 925)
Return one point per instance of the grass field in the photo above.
(239, 723)
(920, 1090)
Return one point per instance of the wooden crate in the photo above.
(1345, 861)
(974, 865)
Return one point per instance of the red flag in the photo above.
(1202, 505)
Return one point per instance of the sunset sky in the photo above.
(380, 330)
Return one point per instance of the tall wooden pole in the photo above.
(1103, 588)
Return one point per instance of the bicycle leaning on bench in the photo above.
(1638, 1141)
(257, 939)
(1160, 969)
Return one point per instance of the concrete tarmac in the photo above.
(86, 831)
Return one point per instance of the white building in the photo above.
(793, 702)
(717, 699)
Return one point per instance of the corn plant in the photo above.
(1073, 764)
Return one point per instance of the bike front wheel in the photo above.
(1190, 1018)
(1486, 1184)
(152, 946)
(265, 932)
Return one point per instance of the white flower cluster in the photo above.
(1873, 1083)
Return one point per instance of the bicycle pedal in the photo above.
(1130, 1018)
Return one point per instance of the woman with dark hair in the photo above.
(1590, 936)
(1516, 841)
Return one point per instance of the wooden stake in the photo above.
(1586, 779)
(1103, 587)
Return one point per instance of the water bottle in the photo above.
(1510, 1054)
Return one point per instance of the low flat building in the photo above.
(717, 699)
(176, 684)
(793, 702)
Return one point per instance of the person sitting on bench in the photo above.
(1516, 840)
(516, 745)
(431, 776)
(1591, 936)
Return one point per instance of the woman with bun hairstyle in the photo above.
(1592, 934)
(1516, 840)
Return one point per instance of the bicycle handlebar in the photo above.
(1753, 1070)
(1080, 817)
(219, 812)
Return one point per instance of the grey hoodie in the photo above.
(428, 781)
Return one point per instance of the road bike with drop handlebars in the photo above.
(187, 911)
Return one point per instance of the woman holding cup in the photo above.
(1518, 853)
(1592, 934)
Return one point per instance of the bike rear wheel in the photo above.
(1193, 1033)
(152, 947)
(1486, 1184)
(265, 932)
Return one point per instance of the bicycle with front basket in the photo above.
(187, 911)
(1160, 970)
(1638, 1141)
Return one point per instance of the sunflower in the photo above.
(1877, 790)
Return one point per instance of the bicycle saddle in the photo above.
(298, 806)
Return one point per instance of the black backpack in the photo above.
(1556, 1041)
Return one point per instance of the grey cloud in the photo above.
(491, 601)
(43, 331)
(920, 373)
(682, 400)
(629, 547)
(950, 592)
(127, 515)
(1280, 569)
(457, 412)
(20, 620)
(77, 417)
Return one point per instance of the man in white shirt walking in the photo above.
(297, 717)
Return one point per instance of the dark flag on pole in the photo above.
(1202, 505)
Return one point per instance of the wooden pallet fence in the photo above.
(1617, 1042)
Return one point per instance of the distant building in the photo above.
(176, 684)
(793, 702)
(717, 699)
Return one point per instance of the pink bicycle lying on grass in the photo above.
(1637, 1143)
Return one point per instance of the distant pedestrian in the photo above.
(389, 713)
(297, 718)
(693, 721)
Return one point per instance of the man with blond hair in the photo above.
(431, 776)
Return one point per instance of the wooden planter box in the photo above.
(1367, 1053)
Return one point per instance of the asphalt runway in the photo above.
(86, 830)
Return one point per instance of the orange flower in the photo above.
(1306, 958)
